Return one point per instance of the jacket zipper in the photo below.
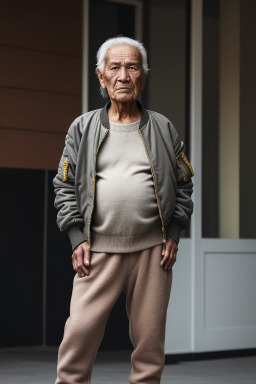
(94, 182)
(155, 186)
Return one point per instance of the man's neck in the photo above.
(124, 113)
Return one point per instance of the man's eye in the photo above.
(114, 68)
(133, 68)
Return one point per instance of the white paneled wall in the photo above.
(225, 309)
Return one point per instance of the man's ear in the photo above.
(101, 79)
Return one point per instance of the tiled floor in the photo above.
(38, 366)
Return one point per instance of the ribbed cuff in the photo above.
(76, 236)
(173, 230)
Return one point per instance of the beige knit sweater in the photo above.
(126, 217)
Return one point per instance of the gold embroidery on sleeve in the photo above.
(65, 170)
(185, 166)
(188, 163)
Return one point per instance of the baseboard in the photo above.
(174, 358)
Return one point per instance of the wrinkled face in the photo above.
(123, 75)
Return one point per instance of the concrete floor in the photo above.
(38, 366)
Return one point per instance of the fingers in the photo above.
(165, 253)
(169, 254)
(172, 259)
(86, 255)
(80, 257)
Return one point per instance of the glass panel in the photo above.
(167, 39)
(107, 20)
(210, 191)
(229, 84)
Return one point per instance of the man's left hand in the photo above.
(169, 252)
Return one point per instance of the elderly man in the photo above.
(123, 194)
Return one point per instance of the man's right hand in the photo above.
(81, 259)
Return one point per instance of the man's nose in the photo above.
(123, 74)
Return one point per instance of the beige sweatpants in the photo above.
(147, 287)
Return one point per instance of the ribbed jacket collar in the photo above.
(105, 120)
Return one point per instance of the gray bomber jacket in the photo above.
(75, 181)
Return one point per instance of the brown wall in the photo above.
(40, 79)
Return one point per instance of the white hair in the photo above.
(115, 42)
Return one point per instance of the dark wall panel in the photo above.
(22, 207)
(59, 273)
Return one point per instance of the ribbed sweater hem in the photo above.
(124, 244)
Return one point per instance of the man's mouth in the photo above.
(124, 89)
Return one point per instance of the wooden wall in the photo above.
(40, 79)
